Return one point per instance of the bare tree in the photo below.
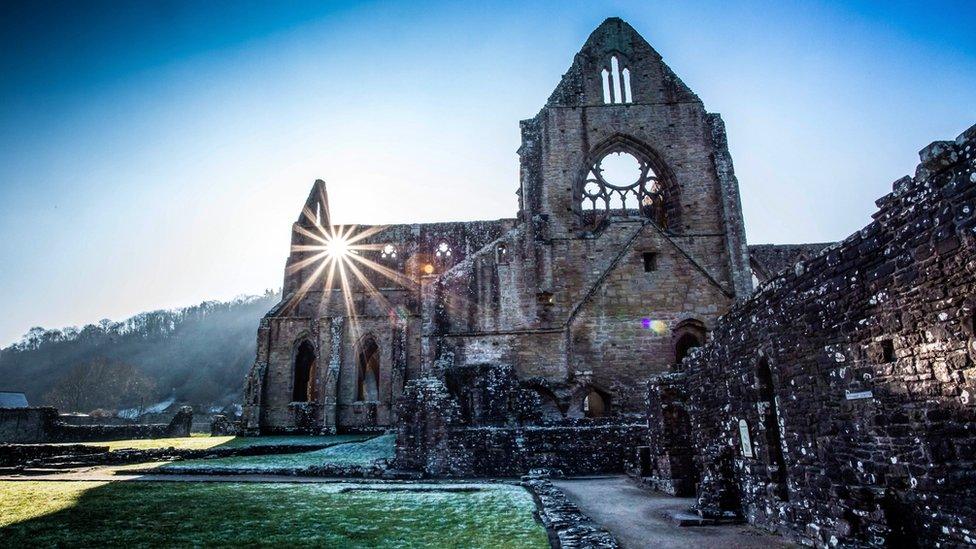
(100, 384)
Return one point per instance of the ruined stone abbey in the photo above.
(619, 322)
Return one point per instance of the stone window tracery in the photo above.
(621, 183)
(443, 250)
(388, 252)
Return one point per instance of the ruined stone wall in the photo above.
(26, 425)
(385, 308)
(37, 425)
(567, 303)
(563, 277)
(862, 431)
(668, 461)
(435, 437)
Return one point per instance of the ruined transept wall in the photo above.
(390, 315)
(572, 302)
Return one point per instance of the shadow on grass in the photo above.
(144, 514)
(353, 454)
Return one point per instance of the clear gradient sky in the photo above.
(154, 154)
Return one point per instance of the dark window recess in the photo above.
(650, 262)
(887, 350)
(304, 373)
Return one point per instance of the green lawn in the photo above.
(152, 514)
(208, 442)
(348, 454)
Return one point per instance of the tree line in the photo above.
(197, 354)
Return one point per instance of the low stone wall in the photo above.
(14, 455)
(514, 451)
(434, 440)
(26, 425)
(41, 425)
(564, 520)
(61, 455)
(838, 404)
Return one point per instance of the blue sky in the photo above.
(154, 154)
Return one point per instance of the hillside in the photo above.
(199, 354)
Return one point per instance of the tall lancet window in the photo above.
(616, 83)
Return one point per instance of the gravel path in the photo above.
(634, 515)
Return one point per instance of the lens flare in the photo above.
(335, 258)
(659, 327)
(337, 247)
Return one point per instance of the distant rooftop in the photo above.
(12, 400)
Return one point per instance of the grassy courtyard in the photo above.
(150, 514)
(348, 454)
(205, 442)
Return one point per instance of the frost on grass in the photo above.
(350, 454)
(217, 443)
(149, 514)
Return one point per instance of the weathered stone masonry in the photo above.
(602, 279)
(853, 375)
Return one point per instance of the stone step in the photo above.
(686, 518)
(397, 474)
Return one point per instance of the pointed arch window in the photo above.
(303, 389)
(616, 83)
(368, 370)
(622, 182)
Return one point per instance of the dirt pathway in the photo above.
(635, 517)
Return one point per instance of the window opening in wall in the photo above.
(770, 418)
(388, 252)
(627, 97)
(615, 75)
(501, 253)
(616, 83)
(304, 379)
(443, 250)
(887, 350)
(650, 261)
(368, 371)
(622, 184)
(594, 405)
(685, 344)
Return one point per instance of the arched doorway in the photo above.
(303, 388)
(769, 415)
(368, 371)
(685, 344)
(595, 405)
(688, 335)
